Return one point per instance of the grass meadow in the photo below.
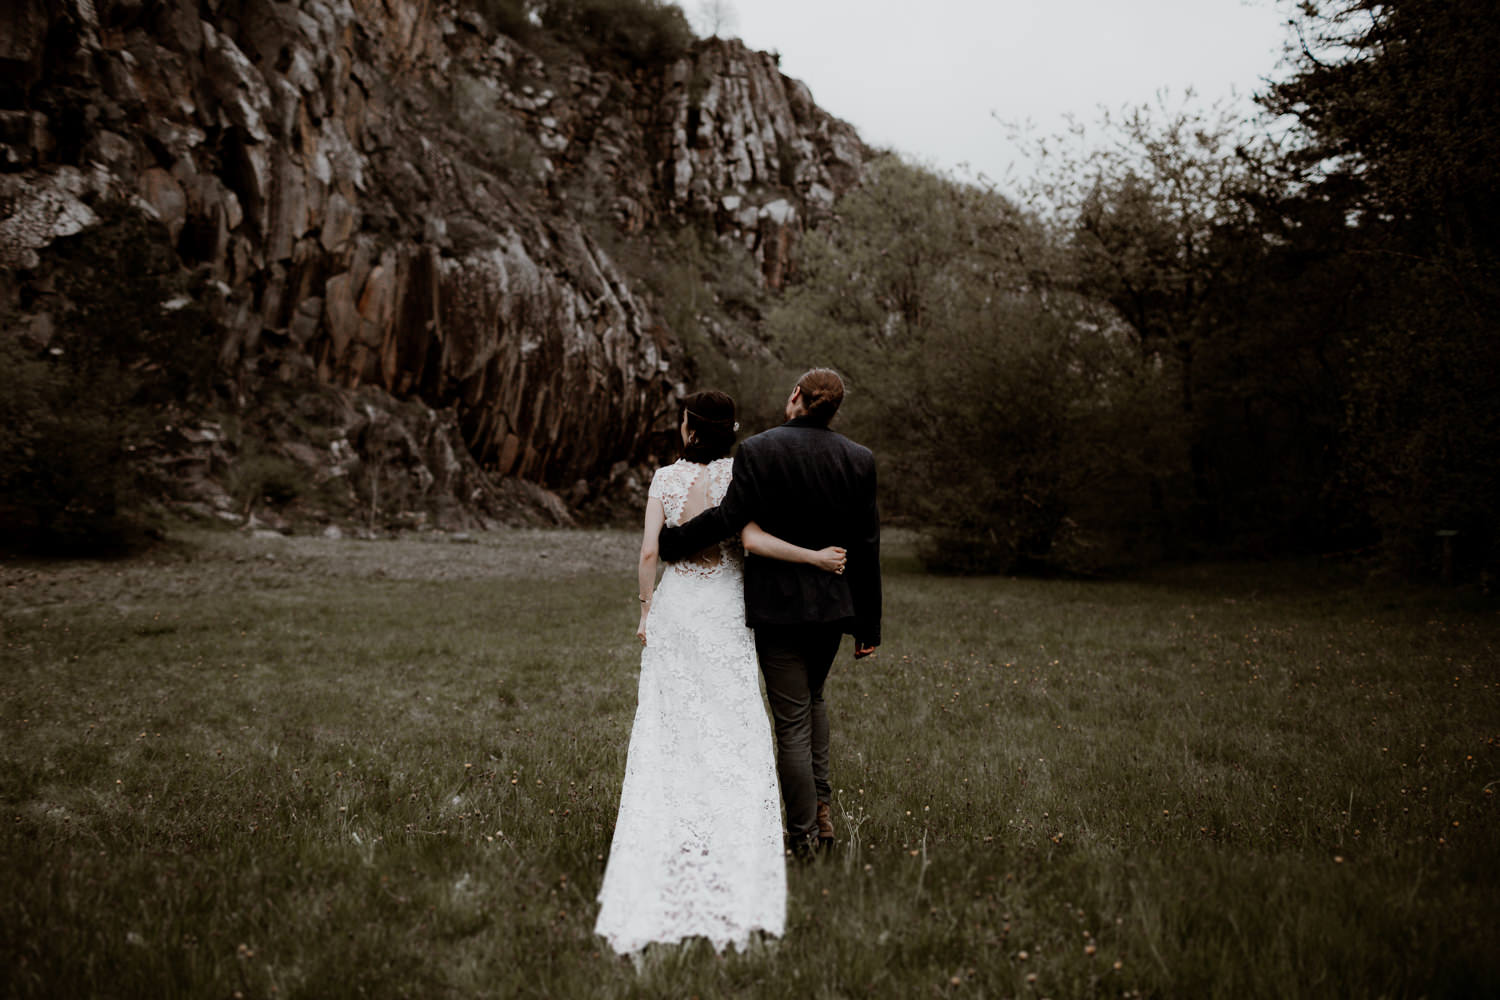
(314, 768)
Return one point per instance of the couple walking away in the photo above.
(698, 848)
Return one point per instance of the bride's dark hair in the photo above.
(710, 424)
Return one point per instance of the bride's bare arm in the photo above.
(760, 542)
(645, 572)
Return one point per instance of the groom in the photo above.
(813, 487)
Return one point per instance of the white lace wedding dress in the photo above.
(697, 848)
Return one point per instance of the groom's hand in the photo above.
(861, 651)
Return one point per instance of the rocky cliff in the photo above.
(393, 198)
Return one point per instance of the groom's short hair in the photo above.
(822, 392)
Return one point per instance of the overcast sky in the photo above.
(924, 76)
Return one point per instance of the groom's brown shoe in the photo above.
(825, 825)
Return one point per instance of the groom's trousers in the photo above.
(795, 660)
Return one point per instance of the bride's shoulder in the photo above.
(720, 472)
(665, 477)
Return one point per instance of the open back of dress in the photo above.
(687, 489)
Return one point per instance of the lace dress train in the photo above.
(697, 847)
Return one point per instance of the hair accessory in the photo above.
(709, 420)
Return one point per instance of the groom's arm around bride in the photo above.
(813, 487)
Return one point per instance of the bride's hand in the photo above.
(830, 559)
(640, 630)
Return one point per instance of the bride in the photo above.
(697, 848)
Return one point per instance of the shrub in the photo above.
(77, 410)
(1020, 440)
(273, 479)
(65, 470)
(643, 32)
(510, 17)
(1018, 427)
(712, 299)
(1422, 431)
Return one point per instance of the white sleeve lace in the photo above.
(668, 487)
(720, 473)
(659, 483)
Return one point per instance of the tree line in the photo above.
(1205, 336)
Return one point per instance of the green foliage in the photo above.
(1014, 419)
(1169, 216)
(1321, 306)
(75, 412)
(712, 299)
(1422, 429)
(511, 17)
(1030, 448)
(681, 277)
(1394, 173)
(1157, 219)
(1384, 92)
(260, 476)
(642, 32)
(65, 451)
(500, 138)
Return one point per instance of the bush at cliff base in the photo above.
(125, 342)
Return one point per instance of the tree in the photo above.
(1005, 409)
(1387, 95)
(716, 18)
(1398, 158)
(1164, 214)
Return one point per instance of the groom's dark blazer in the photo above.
(813, 487)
